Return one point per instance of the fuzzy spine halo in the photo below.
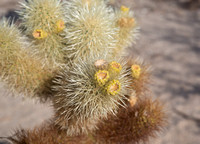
(44, 22)
(80, 100)
(20, 69)
(90, 29)
(128, 32)
(41, 14)
(134, 124)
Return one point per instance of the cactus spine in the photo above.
(44, 22)
(84, 93)
(90, 29)
(73, 51)
(128, 30)
(133, 124)
(23, 72)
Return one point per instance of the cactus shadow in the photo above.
(12, 15)
(5, 141)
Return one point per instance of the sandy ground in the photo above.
(170, 42)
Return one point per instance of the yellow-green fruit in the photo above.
(136, 71)
(102, 76)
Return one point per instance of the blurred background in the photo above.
(169, 41)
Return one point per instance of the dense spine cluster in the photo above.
(44, 22)
(140, 76)
(133, 124)
(128, 30)
(73, 53)
(84, 93)
(23, 72)
(47, 133)
(90, 29)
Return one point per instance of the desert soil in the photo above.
(170, 42)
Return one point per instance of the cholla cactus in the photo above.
(140, 76)
(72, 52)
(44, 21)
(128, 29)
(90, 28)
(133, 124)
(23, 72)
(48, 133)
(84, 94)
